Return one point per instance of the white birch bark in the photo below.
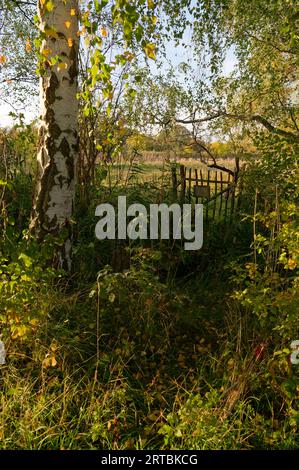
(58, 136)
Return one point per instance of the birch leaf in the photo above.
(150, 50)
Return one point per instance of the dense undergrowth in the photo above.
(147, 346)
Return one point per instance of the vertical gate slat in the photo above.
(226, 196)
(214, 195)
(183, 182)
(221, 195)
(207, 205)
(196, 182)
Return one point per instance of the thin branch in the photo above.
(257, 118)
(269, 43)
(213, 158)
(18, 5)
(204, 119)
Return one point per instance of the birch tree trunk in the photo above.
(58, 136)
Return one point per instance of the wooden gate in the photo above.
(216, 190)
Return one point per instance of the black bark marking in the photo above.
(51, 89)
(64, 148)
(47, 182)
(73, 69)
(54, 129)
(60, 180)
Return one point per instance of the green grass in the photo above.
(172, 369)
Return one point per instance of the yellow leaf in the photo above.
(150, 50)
(154, 20)
(49, 6)
(73, 12)
(53, 361)
(291, 263)
(2, 59)
(46, 362)
(104, 32)
(150, 4)
(67, 24)
(28, 47)
(62, 66)
(49, 361)
(46, 52)
(70, 42)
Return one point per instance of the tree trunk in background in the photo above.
(58, 136)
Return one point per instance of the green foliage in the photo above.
(16, 182)
(25, 281)
(207, 423)
(203, 423)
(269, 280)
(122, 295)
(17, 146)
